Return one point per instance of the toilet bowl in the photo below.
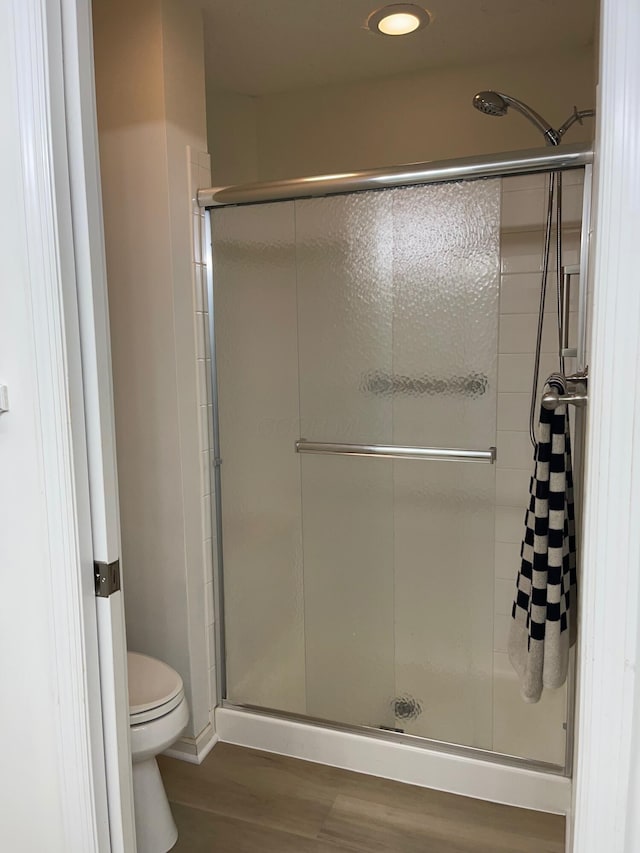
(158, 714)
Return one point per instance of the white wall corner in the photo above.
(195, 750)
(607, 784)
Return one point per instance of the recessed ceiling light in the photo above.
(399, 19)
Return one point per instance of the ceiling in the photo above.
(258, 47)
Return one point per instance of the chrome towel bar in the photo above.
(392, 451)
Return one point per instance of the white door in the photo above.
(68, 714)
(90, 267)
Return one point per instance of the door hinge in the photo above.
(107, 578)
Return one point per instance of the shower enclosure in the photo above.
(371, 378)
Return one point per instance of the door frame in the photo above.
(607, 780)
(52, 52)
(607, 777)
(77, 713)
(95, 353)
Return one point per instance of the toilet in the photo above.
(158, 714)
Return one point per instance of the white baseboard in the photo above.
(416, 765)
(194, 750)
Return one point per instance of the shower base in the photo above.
(456, 770)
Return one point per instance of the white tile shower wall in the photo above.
(200, 176)
(532, 731)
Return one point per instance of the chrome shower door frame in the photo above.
(216, 481)
(579, 437)
(502, 165)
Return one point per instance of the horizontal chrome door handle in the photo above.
(392, 451)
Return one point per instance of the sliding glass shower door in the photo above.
(360, 590)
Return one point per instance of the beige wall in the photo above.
(150, 89)
(405, 119)
(232, 131)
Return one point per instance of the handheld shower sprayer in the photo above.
(497, 103)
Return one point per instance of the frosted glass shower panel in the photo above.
(345, 317)
(345, 312)
(446, 280)
(398, 321)
(257, 353)
(445, 347)
(443, 601)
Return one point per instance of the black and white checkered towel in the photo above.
(544, 609)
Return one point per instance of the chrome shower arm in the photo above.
(576, 116)
(550, 134)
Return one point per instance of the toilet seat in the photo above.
(155, 713)
(155, 689)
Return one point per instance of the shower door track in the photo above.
(502, 165)
(428, 744)
(509, 164)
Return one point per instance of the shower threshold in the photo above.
(400, 736)
(467, 771)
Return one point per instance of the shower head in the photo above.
(497, 103)
(490, 103)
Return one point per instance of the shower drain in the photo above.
(405, 707)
